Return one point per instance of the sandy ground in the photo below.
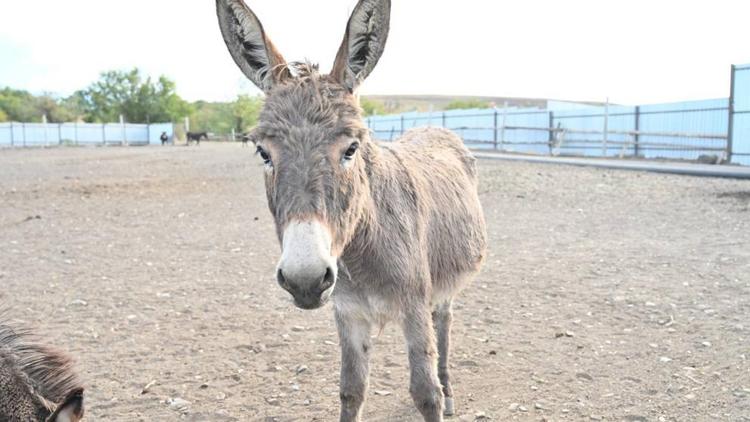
(607, 295)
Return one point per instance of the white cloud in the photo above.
(634, 51)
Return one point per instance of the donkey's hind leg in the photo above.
(424, 384)
(442, 316)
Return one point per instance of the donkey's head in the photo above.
(312, 141)
(36, 382)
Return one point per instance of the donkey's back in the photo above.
(444, 174)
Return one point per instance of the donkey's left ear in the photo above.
(249, 45)
(363, 43)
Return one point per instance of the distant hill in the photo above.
(403, 103)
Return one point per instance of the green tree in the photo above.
(3, 116)
(19, 105)
(74, 106)
(127, 93)
(371, 107)
(246, 110)
(57, 110)
(211, 117)
(463, 104)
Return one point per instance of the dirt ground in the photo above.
(606, 295)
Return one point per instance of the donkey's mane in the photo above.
(312, 97)
(304, 69)
(49, 372)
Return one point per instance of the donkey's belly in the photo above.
(373, 306)
(444, 288)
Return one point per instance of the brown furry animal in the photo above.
(37, 382)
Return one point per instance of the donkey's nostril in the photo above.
(328, 279)
(281, 279)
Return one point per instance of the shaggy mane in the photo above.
(309, 97)
(48, 372)
(304, 70)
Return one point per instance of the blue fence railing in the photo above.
(683, 130)
(44, 134)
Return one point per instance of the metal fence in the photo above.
(17, 134)
(739, 122)
(716, 129)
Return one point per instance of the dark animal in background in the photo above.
(164, 138)
(245, 138)
(387, 233)
(196, 136)
(37, 382)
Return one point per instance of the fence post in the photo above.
(59, 134)
(104, 134)
(12, 138)
(606, 129)
(148, 134)
(730, 122)
(75, 132)
(502, 128)
(402, 124)
(551, 131)
(187, 129)
(442, 120)
(494, 129)
(124, 141)
(637, 136)
(44, 126)
(23, 133)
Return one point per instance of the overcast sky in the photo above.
(632, 51)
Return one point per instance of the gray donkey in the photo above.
(37, 383)
(387, 233)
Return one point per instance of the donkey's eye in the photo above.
(349, 154)
(264, 155)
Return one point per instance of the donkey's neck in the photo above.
(387, 214)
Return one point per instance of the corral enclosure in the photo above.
(682, 130)
(606, 295)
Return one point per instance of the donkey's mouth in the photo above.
(309, 306)
(312, 300)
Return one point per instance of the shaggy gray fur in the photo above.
(405, 221)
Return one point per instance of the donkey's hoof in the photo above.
(448, 411)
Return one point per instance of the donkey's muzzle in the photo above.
(308, 292)
(306, 269)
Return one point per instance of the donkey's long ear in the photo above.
(363, 43)
(249, 46)
(70, 410)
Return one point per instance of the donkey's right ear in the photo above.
(249, 46)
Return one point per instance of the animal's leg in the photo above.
(354, 336)
(424, 385)
(442, 316)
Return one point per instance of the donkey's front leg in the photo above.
(424, 385)
(354, 336)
